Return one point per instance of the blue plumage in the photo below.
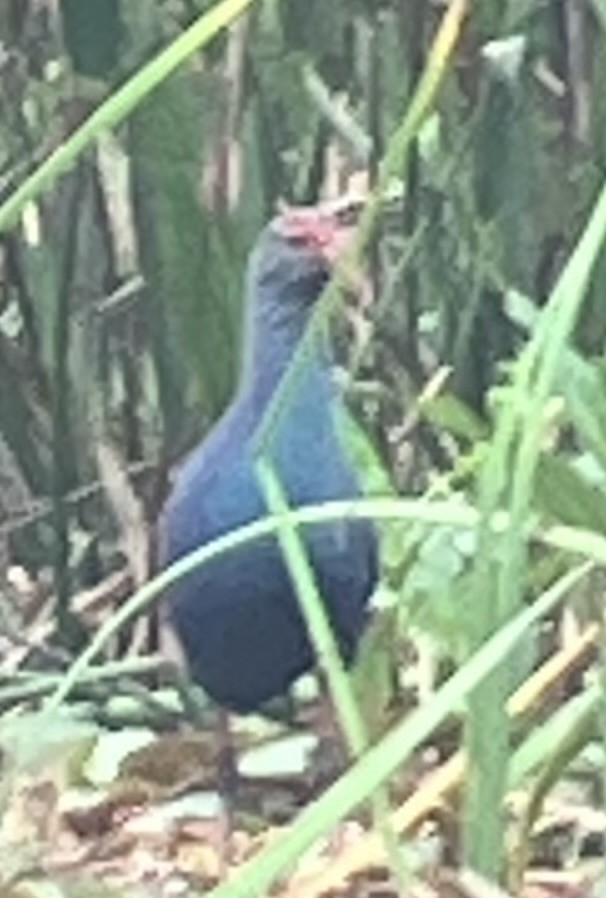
(238, 618)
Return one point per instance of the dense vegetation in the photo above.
(131, 193)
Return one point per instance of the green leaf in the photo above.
(583, 384)
(92, 30)
(565, 495)
(191, 271)
(455, 416)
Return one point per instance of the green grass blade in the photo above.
(256, 876)
(120, 104)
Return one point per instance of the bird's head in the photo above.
(296, 252)
(287, 271)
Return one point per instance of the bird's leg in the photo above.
(227, 767)
(225, 761)
(332, 750)
(227, 787)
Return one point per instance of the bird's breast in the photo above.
(238, 616)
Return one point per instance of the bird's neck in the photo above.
(272, 336)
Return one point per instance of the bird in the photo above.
(237, 618)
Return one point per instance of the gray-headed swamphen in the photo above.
(237, 618)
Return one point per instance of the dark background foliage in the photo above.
(121, 301)
(121, 286)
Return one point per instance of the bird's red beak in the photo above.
(326, 229)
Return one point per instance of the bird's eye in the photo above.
(348, 216)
